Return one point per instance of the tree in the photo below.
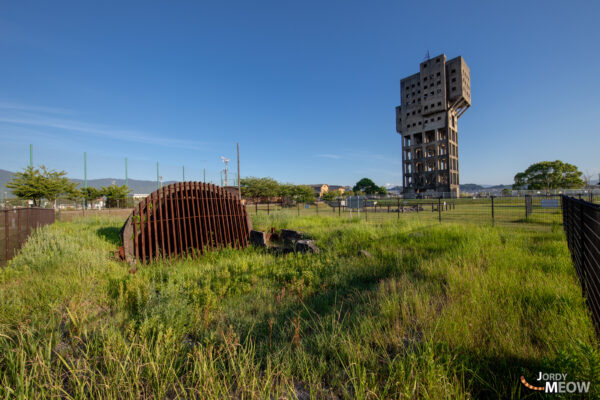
(331, 195)
(90, 193)
(114, 194)
(547, 175)
(303, 194)
(285, 190)
(366, 185)
(36, 184)
(255, 188)
(506, 192)
(382, 191)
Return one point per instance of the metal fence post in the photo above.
(440, 209)
(398, 210)
(6, 232)
(581, 226)
(493, 221)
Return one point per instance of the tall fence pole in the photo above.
(493, 221)
(84, 179)
(7, 232)
(398, 210)
(440, 209)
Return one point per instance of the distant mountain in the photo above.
(471, 187)
(5, 176)
(136, 186)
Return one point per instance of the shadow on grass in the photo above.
(110, 234)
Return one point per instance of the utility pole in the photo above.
(238, 168)
(84, 177)
(183, 172)
(31, 155)
(204, 175)
(157, 177)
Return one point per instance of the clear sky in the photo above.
(308, 88)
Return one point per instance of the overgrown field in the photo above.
(438, 311)
(507, 211)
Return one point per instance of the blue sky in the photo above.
(308, 88)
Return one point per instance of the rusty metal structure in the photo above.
(185, 219)
(16, 225)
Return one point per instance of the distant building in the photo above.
(322, 188)
(319, 189)
(432, 101)
(333, 188)
(233, 190)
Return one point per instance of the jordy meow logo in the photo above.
(556, 383)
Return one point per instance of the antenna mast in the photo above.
(225, 160)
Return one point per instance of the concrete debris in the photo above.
(283, 242)
(306, 246)
(290, 235)
(258, 238)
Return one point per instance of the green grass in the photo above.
(508, 211)
(439, 311)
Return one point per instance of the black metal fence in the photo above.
(581, 222)
(16, 225)
(537, 212)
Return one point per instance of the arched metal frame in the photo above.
(185, 219)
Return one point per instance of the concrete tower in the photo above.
(432, 100)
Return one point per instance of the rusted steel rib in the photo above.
(185, 219)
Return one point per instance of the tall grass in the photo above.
(438, 311)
